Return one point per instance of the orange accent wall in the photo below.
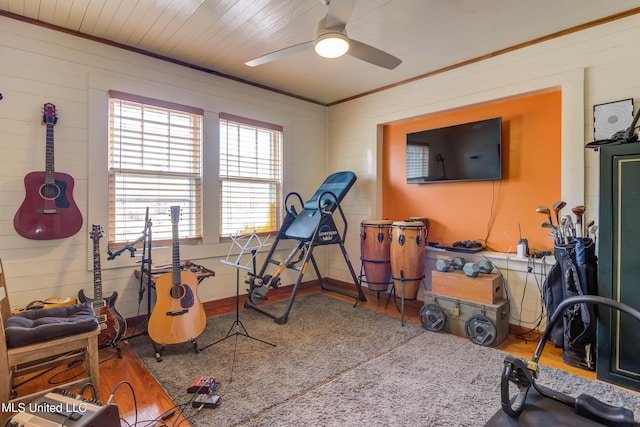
(491, 210)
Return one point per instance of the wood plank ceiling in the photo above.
(221, 35)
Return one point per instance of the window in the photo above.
(154, 163)
(417, 161)
(250, 176)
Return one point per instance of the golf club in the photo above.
(570, 228)
(578, 211)
(565, 230)
(593, 230)
(545, 211)
(554, 231)
(557, 207)
(587, 226)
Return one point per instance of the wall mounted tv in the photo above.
(464, 152)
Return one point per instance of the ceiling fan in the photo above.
(332, 41)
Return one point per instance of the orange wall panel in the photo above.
(484, 210)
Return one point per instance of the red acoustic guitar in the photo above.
(112, 323)
(178, 315)
(48, 210)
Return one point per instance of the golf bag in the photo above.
(574, 273)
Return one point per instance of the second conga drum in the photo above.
(375, 253)
(407, 256)
(422, 219)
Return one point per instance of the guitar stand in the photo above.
(145, 272)
(158, 350)
(237, 324)
(116, 346)
(145, 262)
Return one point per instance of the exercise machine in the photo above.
(537, 405)
(313, 226)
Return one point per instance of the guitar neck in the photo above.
(49, 174)
(176, 255)
(97, 272)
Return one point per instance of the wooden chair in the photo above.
(38, 356)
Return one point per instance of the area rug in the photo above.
(323, 338)
(336, 365)
(433, 380)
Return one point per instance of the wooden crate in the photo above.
(485, 288)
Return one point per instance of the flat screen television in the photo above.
(463, 152)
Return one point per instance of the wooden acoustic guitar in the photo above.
(178, 315)
(50, 302)
(48, 210)
(113, 325)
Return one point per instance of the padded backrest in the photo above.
(337, 183)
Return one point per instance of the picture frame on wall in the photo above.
(612, 117)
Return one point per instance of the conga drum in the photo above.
(422, 219)
(375, 253)
(408, 240)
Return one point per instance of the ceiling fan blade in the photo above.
(279, 54)
(338, 13)
(373, 55)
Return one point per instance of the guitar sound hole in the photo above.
(177, 292)
(50, 191)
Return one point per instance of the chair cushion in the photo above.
(32, 326)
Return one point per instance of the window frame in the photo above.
(277, 208)
(417, 160)
(196, 218)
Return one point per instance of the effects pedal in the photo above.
(206, 401)
(202, 385)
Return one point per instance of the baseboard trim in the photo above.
(213, 307)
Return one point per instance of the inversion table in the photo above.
(313, 226)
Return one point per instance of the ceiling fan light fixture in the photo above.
(331, 44)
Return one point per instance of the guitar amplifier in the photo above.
(55, 410)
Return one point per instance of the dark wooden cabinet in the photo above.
(618, 352)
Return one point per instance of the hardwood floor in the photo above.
(126, 377)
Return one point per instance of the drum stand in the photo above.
(364, 274)
(393, 290)
(237, 324)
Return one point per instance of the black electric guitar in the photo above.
(112, 323)
(178, 315)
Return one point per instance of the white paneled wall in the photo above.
(39, 65)
(591, 67)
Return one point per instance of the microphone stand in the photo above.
(145, 268)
